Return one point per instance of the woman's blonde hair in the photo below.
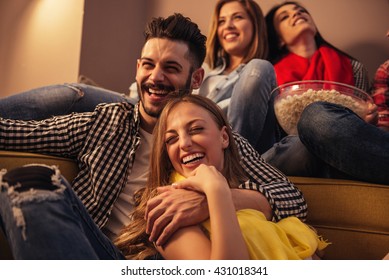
(259, 45)
(133, 241)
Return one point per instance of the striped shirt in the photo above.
(104, 143)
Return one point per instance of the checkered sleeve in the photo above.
(361, 77)
(61, 135)
(285, 199)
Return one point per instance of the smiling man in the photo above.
(162, 71)
(111, 146)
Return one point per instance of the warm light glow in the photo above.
(50, 13)
(44, 43)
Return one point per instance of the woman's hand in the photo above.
(182, 205)
(383, 120)
(372, 114)
(205, 178)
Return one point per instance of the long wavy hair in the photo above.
(276, 51)
(133, 241)
(258, 47)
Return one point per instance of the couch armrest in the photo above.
(353, 215)
(11, 159)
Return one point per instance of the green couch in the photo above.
(352, 215)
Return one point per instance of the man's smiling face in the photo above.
(163, 68)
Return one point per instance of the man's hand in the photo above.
(172, 209)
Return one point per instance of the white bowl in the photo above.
(293, 97)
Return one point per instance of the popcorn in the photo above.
(289, 108)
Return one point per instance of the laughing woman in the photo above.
(299, 52)
(194, 149)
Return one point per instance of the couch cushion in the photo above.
(353, 215)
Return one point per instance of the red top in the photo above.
(325, 64)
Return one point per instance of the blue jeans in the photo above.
(44, 102)
(251, 110)
(43, 218)
(346, 142)
(245, 97)
(333, 142)
(290, 156)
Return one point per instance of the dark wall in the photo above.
(112, 38)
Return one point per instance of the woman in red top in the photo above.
(332, 142)
(298, 51)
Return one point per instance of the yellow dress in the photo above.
(288, 239)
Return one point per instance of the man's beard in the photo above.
(174, 93)
(150, 112)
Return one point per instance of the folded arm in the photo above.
(226, 238)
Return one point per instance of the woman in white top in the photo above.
(238, 79)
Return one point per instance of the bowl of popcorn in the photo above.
(292, 98)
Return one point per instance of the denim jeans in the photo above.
(44, 102)
(43, 218)
(245, 97)
(291, 157)
(346, 142)
(250, 110)
(333, 142)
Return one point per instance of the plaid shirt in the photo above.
(380, 94)
(381, 85)
(361, 77)
(104, 143)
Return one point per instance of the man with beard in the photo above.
(111, 146)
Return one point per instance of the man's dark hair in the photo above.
(179, 28)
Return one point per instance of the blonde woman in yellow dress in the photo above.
(194, 149)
